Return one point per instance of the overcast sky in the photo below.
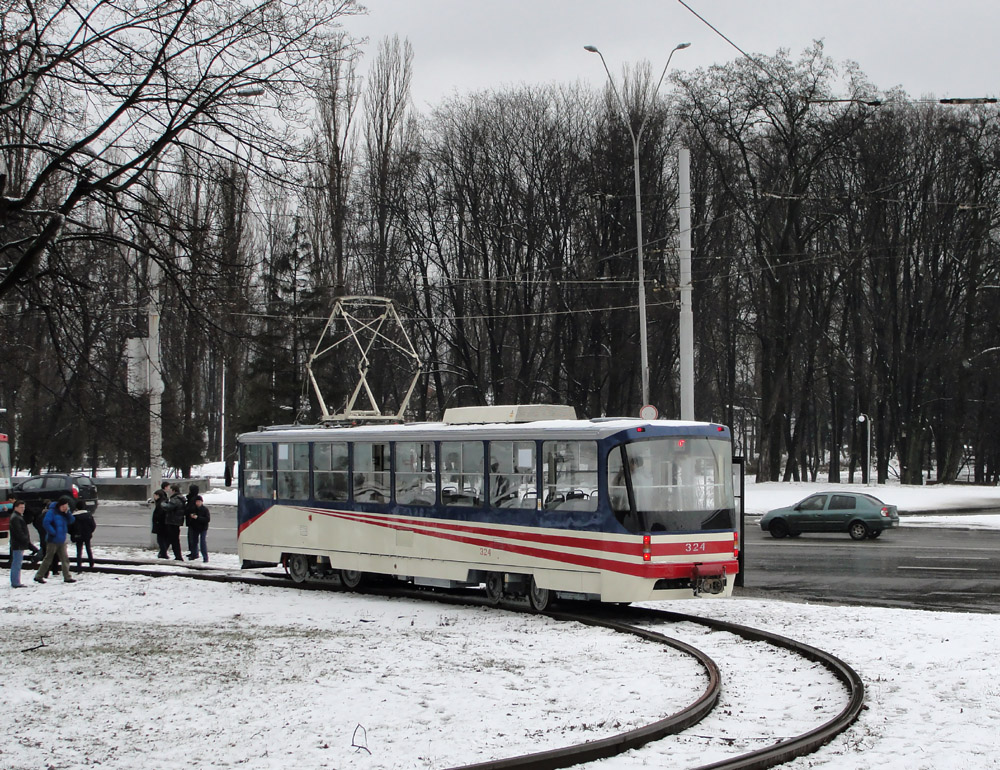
(932, 49)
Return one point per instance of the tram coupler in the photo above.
(708, 578)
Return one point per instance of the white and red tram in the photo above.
(526, 500)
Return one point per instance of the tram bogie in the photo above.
(616, 510)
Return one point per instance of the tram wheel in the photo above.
(874, 534)
(539, 598)
(298, 567)
(858, 530)
(351, 578)
(494, 588)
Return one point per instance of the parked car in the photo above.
(860, 515)
(51, 486)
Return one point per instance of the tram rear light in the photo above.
(647, 548)
(736, 544)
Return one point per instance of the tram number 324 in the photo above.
(695, 547)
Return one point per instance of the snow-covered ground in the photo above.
(126, 671)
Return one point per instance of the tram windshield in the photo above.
(672, 484)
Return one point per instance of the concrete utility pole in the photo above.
(687, 313)
(155, 380)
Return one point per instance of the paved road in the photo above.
(927, 568)
(130, 524)
(923, 567)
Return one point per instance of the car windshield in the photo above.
(672, 484)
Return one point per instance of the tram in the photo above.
(6, 503)
(523, 501)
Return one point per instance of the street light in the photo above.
(636, 137)
(867, 421)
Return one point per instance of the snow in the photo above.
(172, 673)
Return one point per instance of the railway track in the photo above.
(645, 623)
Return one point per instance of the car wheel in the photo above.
(858, 530)
(778, 529)
(874, 535)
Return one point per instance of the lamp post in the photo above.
(636, 137)
(867, 422)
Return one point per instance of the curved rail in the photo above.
(632, 739)
(770, 756)
(800, 745)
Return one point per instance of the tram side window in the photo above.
(415, 473)
(569, 477)
(258, 464)
(330, 469)
(512, 474)
(371, 472)
(462, 473)
(293, 471)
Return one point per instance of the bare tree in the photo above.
(116, 87)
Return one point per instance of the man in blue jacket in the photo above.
(57, 521)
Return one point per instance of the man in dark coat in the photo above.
(36, 522)
(160, 497)
(20, 541)
(83, 530)
(173, 518)
(198, 520)
(191, 521)
(57, 521)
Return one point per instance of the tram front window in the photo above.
(672, 485)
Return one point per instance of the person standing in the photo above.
(57, 521)
(83, 530)
(160, 497)
(20, 541)
(198, 521)
(173, 518)
(191, 521)
(36, 522)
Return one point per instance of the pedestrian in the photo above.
(160, 497)
(191, 521)
(83, 529)
(173, 518)
(57, 521)
(199, 519)
(20, 541)
(36, 522)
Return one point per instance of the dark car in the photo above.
(51, 486)
(860, 515)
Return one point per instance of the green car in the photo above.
(860, 515)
